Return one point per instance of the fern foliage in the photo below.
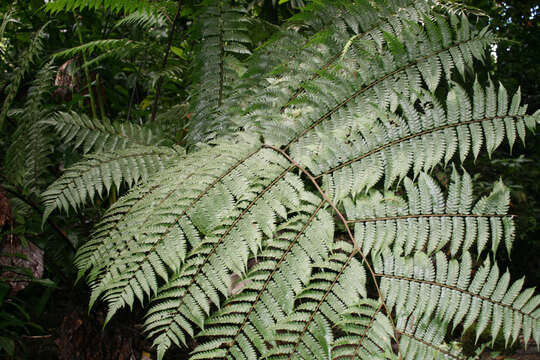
(100, 135)
(97, 173)
(223, 35)
(126, 6)
(27, 59)
(26, 159)
(428, 222)
(312, 219)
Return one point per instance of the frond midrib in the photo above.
(420, 216)
(452, 288)
(415, 135)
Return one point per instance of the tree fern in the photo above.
(318, 198)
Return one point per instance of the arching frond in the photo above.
(100, 135)
(97, 45)
(97, 173)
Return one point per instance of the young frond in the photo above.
(97, 173)
(100, 135)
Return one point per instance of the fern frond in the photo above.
(116, 6)
(96, 173)
(143, 19)
(27, 58)
(423, 290)
(335, 286)
(6, 19)
(295, 59)
(100, 135)
(329, 104)
(427, 222)
(223, 35)
(368, 332)
(382, 101)
(269, 191)
(97, 45)
(413, 347)
(274, 281)
(26, 159)
(387, 145)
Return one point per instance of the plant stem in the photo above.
(100, 98)
(88, 79)
(165, 58)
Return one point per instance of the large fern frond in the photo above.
(288, 205)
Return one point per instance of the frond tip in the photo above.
(99, 135)
(97, 173)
